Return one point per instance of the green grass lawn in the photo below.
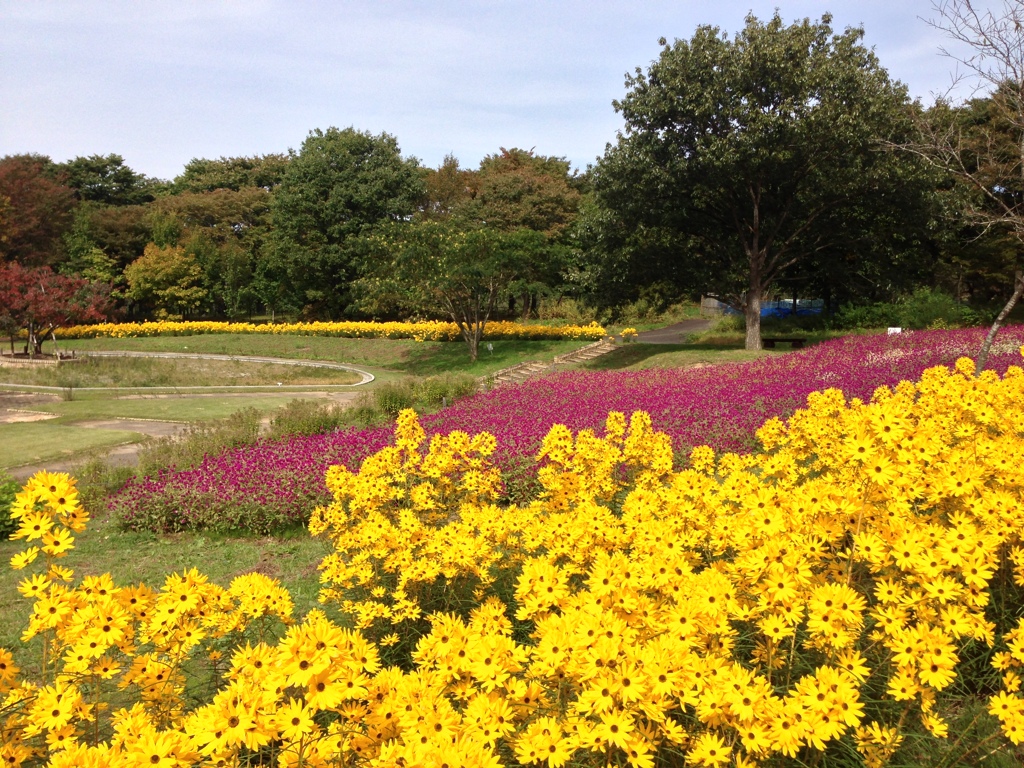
(711, 347)
(387, 359)
(403, 356)
(40, 441)
(638, 356)
(192, 408)
(32, 442)
(382, 353)
(149, 558)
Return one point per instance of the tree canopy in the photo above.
(741, 157)
(517, 189)
(35, 209)
(106, 179)
(339, 184)
(39, 300)
(166, 280)
(445, 267)
(237, 173)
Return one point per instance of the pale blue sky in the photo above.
(163, 82)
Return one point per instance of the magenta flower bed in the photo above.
(270, 484)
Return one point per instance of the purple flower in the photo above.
(275, 483)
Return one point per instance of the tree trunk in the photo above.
(1018, 289)
(753, 317)
(752, 310)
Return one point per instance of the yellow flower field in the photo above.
(827, 597)
(422, 331)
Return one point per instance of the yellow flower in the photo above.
(33, 526)
(58, 542)
(709, 750)
(294, 720)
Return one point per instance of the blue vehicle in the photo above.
(781, 309)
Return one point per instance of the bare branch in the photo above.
(984, 148)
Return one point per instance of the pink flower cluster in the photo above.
(268, 485)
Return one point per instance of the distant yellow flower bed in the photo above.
(425, 331)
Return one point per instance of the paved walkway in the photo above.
(673, 334)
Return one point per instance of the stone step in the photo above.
(534, 368)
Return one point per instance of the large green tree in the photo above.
(444, 267)
(166, 282)
(449, 189)
(340, 184)
(742, 156)
(226, 231)
(517, 190)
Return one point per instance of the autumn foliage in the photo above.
(38, 300)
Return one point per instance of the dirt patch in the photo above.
(16, 407)
(26, 400)
(266, 565)
(338, 397)
(19, 416)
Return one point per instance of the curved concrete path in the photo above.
(675, 333)
(366, 376)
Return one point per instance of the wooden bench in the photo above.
(770, 343)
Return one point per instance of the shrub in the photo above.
(434, 391)
(307, 417)
(99, 479)
(568, 310)
(393, 397)
(851, 317)
(926, 308)
(639, 311)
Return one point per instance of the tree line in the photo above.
(782, 160)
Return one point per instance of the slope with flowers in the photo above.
(273, 484)
(832, 599)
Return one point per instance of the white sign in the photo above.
(894, 331)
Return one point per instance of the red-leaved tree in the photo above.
(39, 301)
(35, 210)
